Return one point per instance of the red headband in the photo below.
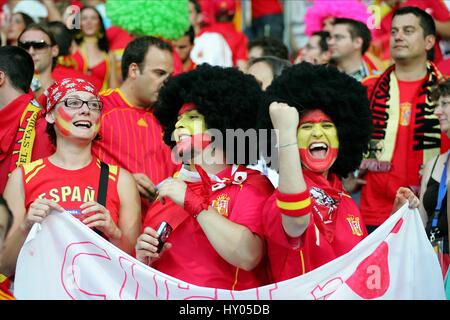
(59, 89)
(187, 107)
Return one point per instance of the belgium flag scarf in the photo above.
(385, 107)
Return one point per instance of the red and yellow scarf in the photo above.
(22, 137)
(5, 294)
(385, 107)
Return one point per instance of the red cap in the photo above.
(227, 7)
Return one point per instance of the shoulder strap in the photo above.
(102, 189)
(441, 194)
(434, 165)
(103, 184)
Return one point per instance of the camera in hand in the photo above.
(163, 231)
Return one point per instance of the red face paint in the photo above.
(191, 126)
(63, 122)
(186, 107)
(195, 142)
(318, 165)
(315, 116)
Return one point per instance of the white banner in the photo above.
(63, 259)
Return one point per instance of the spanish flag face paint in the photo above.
(190, 131)
(318, 141)
(78, 123)
(63, 122)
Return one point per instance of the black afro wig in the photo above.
(226, 97)
(307, 87)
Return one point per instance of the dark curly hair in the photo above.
(308, 87)
(226, 97)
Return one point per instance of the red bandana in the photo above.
(327, 205)
(59, 89)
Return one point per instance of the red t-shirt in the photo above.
(100, 71)
(444, 67)
(131, 138)
(378, 195)
(192, 258)
(262, 8)
(436, 8)
(118, 38)
(177, 64)
(292, 257)
(208, 12)
(191, 66)
(10, 117)
(236, 40)
(69, 188)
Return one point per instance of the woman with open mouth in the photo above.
(323, 122)
(104, 197)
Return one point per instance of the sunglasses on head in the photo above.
(26, 45)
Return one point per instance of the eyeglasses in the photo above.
(37, 45)
(75, 103)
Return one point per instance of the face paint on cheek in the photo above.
(63, 122)
(318, 165)
(197, 142)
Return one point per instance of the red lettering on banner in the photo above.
(71, 254)
(74, 270)
(323, 292)
(128, 286)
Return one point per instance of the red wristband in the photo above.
(294, 205)
(195, 203)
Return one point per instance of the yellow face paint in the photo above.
(189, 132)
(63, 122)
(318, 141)
(189, 123)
